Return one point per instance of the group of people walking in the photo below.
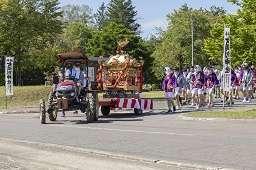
(196, 84)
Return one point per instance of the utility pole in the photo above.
(192, 31)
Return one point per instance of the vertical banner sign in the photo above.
(226, 61)
(9, 76)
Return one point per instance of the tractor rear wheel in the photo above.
(95, 106)
(105, 110)
(89, 113)
(42, 112)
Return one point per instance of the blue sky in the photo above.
(152, 13)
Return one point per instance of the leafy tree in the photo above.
(217, 11)
(76, 13)
(242, 32)
(176, 43)
(75, 37)
(104, 42)
(148, 69)
(39, 61)
(27, 25)
(100, 17)
(123, 12)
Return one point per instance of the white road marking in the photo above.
(124, 130)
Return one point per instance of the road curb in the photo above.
(119, 156)
(15, 112)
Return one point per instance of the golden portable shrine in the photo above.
(119, 75)
(120, 72)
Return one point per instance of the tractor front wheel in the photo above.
(42, 111)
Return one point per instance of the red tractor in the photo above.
(67, 96)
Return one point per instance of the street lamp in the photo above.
(192, 31)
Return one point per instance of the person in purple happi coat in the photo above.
(198, 81)
(168, 85)
(211, 82)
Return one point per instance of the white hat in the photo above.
(198, 68)
(168, 71)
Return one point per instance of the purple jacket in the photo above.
(211, 80)
(198, 80)
(172, 82)
(233, 77)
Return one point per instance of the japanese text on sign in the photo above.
(226, 82)
(9, 75)
(226, 55)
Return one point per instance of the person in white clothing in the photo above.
(247, 82)
(86, 81)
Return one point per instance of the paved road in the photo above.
(167, 139)
(40, 156)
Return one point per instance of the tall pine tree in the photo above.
(123, 12)
(100, 17)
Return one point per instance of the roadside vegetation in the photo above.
(229, 114)
(24, 96)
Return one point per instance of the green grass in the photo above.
(229, 114)
(153, 94)
(24, 96)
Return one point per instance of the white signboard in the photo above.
(226, 61)
(226, 56)
(226, 82)
(9, 75)
(91, 73)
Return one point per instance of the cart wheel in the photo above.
(89, 113)
(53, 109)
(105, 110)
(42, 111)
(137, 111)
(95, 106)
